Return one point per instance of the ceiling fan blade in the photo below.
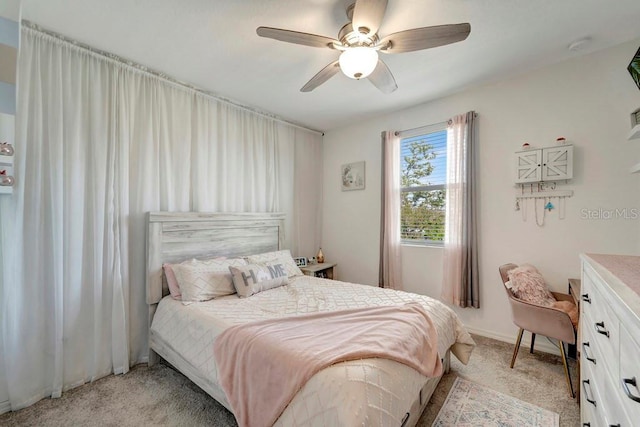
(296, 37)
(382, 78)
(367, 15)
(424, 38)
(325, 74)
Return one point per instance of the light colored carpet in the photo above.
(160, 396)
(470, 404)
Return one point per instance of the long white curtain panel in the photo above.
(99, 143)
(460, 284)
(390, 271)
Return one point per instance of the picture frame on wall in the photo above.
(353, 176)
(634, 68)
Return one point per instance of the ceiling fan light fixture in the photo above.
(358, 62)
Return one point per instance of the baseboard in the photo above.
(5, 407)
(542, 343)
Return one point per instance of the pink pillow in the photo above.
(527, 284)
(174, 288)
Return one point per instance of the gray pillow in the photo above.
(253, 278)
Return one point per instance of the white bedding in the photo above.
(362, 392)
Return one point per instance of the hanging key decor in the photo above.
(542, 198)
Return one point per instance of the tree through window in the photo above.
(423, 161)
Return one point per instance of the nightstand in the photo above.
(326, 270)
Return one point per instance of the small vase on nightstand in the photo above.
(320, 256)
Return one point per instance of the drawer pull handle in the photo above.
(601, 329)
(586, 355)
(405, 419)
(633, 382)
(585, 383)
(585, 298)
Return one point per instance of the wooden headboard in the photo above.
(177, 236)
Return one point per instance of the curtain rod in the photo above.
(424, 129)
(419, 130)
(127, 62)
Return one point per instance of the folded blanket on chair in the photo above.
(262, 365)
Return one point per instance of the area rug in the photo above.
(470, 404)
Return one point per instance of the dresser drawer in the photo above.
(602, 326)
(629, 369)
(592, 364)
(591, 406)
(600, 401)
(589, 414)
(612, 409)
(585, 295)
(610, 340)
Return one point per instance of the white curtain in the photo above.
(307, 203)
(390, 274)
(460, 277)
(98, 144)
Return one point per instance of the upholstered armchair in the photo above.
(540, 320)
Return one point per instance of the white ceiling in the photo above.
(213, 44)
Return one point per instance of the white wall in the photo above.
(587, 99)
(9, 32)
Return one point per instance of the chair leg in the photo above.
(533, 340)
(515, 350)
(566, 369)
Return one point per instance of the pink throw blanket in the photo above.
(262, 365)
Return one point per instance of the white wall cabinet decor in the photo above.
(544, 164)
(7, 132)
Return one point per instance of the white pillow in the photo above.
(253, 278)
(202, 280)
(278, 257)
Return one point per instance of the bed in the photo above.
(357, 392)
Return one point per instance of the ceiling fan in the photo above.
(359, 44)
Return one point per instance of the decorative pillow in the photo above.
(253, 278)
(278, 257)
(528, 285)
(172, 282)
(174, 288)
(202, 280)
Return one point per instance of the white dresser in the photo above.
(609, 341)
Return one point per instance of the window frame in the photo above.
(412, 133)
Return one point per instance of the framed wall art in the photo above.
(353, 176)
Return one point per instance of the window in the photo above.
(423, 161)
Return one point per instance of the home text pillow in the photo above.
(253, 278)
(202, 280)
(528, 285)
(278, 257)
